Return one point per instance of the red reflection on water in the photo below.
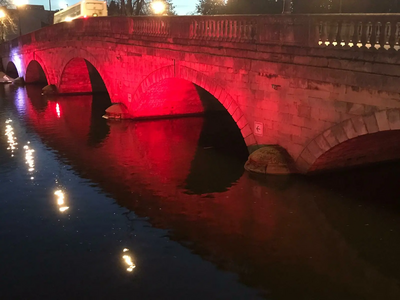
(271, 236)
(160, 151)
(58, 111)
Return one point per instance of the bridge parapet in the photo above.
(364, 31)
(340, 31)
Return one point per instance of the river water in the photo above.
(162, 209)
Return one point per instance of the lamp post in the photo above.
(18, 4)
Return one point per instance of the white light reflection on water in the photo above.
(29, 159)
(11, 139)
(20, 100)
(61, 200)
(128, 260)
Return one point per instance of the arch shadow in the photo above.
(11, 70)
(35, 73)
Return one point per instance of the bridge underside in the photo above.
(35, 73)
(362, 150)
(168, 98)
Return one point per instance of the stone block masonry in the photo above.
(321, 97)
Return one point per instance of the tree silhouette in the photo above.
(208, 7)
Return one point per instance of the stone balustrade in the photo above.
(359, 31)
(345, 31)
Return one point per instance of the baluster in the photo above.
(391, 36)
(229, 33)
(397, 37)
(339, 37)
(202, 29)
(352, 34)
(235, 30)
(225, 28)
(239, 30)
(247, 31)
(333, 31)
(347, 32)
(192, 32)
(165, 27)
(214, 30)
(198, 29)
(368, 33)
(375, 35)
(318, 30)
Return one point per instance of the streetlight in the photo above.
(158, 7)
(2, 16)
(19, 3)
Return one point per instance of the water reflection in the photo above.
(20, 100)
(290, 237)
(29, 159)
(61, 200)
(128, 260)
(11, 139)
(58, 111)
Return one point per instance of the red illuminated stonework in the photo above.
(307, 93)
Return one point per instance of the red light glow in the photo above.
(169, 97)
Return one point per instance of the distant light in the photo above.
(158, 7)
(2, 14)
(20, 2)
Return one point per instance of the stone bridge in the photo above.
(323, 87)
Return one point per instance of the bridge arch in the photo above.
(81, 73)
(203, 81)
(355, 141)
(11, 70)
(36, 72)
